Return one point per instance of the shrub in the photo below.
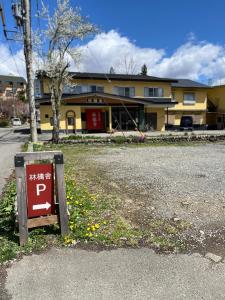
(4, 123)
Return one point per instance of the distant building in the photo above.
(12, 96)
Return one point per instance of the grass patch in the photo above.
(39, 239)
(82, 137)
(96, 215)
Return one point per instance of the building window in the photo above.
(96, 88)
(124, 91)
(79, 89)
(173, 96)
(189, 98)
(70, 89)
(153, 92)
(83, 117)
(37, 88)
(70, 121)
(8, 93)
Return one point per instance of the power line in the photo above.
(10, 49)
(6, 37)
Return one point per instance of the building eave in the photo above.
(163, 101)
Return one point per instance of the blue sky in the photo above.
(174, 38)
(159, 23)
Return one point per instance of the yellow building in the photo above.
(191, 98)
(216, 107)
(104, 102)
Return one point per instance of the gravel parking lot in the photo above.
(170, 181)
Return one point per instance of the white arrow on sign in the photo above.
(42, 206)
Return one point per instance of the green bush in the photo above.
(119, 139)
(81, 137)
(4, 123)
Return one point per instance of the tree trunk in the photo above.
(55, 137)
(29, 70)
(55, 101)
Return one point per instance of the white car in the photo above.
(16, 122)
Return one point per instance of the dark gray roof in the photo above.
(123, 77)
(187, 83)
(11, 78)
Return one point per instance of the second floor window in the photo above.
(153, 92)
(173, 96)
(124, 91)
(79, 89)
(96, 88)
(37, 88)
(189, 98)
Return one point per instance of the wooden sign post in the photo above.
(39, 186)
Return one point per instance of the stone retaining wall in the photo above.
(136, 139)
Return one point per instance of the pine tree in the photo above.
(144, 70)
(112, 71)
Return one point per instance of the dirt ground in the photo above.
(183, 182)
(174, 181)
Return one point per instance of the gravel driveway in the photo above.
(186, 182)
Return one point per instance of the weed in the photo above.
(95, 215)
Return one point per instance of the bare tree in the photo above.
(64, 27)
(127, 65)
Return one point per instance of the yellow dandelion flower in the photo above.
(97, 226)
(88, 229)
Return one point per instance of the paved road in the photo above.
(118, 274)
(10, 143)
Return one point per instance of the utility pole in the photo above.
(22, 15)
(29, 68)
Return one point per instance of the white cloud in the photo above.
(195, 60)
(112, 49)
(11, 65)
(192, 60)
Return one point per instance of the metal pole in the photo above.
(167, 118)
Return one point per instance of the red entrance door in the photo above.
(94, 119)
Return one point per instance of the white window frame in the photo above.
(37, 88)
(189, 101)
(88, 88)
(131, 91)
(173, 95)
(154, 88)
(82, 88)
